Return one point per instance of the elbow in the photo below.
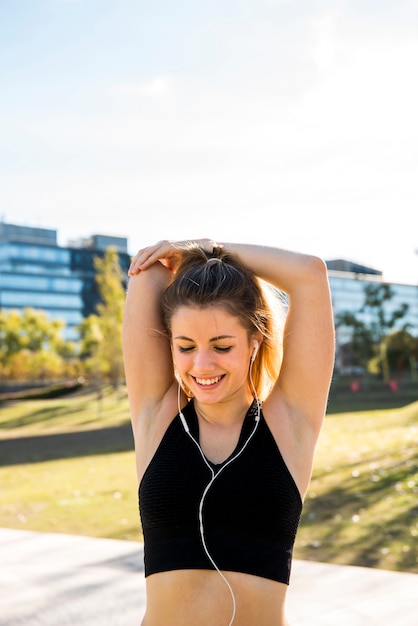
(319, 264)
(315, 269)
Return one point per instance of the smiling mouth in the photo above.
(207, 382)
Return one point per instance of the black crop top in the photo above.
(251, 512)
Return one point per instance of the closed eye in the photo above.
(221, 349)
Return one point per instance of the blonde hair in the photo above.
(219, 279)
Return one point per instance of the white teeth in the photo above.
(208, 381)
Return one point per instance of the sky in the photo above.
(280, 122)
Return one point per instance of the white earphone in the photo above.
(254, 354)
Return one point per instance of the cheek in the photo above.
(181, 360)
(237, 366)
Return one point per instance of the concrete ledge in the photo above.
(63, 580)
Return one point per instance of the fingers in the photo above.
(167, 252)
(146, 257)
(141, 260)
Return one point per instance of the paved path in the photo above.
(63, 580)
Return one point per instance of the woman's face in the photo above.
(211, 351)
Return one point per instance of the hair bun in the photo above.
(217, 251)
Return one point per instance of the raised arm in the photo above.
(146, 349)
(308, 342)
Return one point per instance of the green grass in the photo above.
(361, 509)
(93, 495)
(81, 410)
(362, 505)
(91, 488)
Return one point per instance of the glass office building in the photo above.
(347, 284)
(35, 272)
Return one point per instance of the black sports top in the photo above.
(251, 512)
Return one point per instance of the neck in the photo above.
(227, 413)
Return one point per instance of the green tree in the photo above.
(370, 326)
(101, 332)
(402, 352)
(32, 348)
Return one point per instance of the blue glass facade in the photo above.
(35, 272)
(347, 291)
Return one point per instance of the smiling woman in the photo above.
(226, 413)
(207, 361)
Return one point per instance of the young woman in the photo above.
(226, 411)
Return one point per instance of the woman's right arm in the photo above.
(147, 354)
(146, 347)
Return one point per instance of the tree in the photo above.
(101, 332)
(402, 352)
(370, 327)
(32, 348)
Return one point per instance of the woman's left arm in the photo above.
(308, 341)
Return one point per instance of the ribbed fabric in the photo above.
(251, 512)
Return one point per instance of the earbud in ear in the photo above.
(254, 354)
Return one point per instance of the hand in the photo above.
(169, 253)
(163, 251)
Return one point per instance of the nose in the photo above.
(203, 361)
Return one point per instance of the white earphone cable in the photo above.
(212, 480)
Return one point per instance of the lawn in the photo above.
(362, 505)
(67, 465)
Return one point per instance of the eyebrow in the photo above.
(212, 340)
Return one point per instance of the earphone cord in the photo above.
(212, 480)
